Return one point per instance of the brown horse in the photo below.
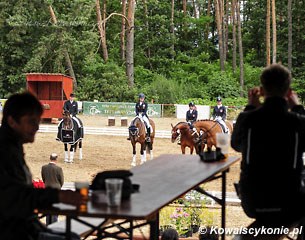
(208, 130)
(137, 134)
(187, 139)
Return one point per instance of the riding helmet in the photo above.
(218, 99)
(141, 95)
(191, 104)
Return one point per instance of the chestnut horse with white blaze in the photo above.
(137, 134)
(208, 129)
(187, 138)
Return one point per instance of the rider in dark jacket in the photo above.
(71, 105)
(270, 178)
(191, 114)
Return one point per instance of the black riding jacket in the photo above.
(191, 116)
(141, 108)
(18, 198)
(272, 140)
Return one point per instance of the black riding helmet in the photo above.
(141, 95)
(218, 99)
(191, 104)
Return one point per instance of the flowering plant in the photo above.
(181, 220)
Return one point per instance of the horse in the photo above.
(187, 138)
(208, 129)
(137, 134)
(71, 131)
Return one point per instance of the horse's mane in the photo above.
(204, 120)
(180, 123)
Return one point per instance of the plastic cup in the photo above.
(223, 142)
(114, 191)
(83, 189)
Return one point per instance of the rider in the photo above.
(191, 115)
(71, 105)
(141, 111)
(220, 115)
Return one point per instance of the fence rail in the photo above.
(107, 131)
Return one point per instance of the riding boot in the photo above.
(71, 156)
(66, 156)
(148, 135)
(80, 154)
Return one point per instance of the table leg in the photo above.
(68, 228)
(223, 205)
(154, 228)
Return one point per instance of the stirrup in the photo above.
(147, 139)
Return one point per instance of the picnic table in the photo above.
(161, 181)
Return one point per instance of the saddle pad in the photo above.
(67, 136)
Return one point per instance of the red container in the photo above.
(52, 89)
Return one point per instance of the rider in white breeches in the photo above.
(220, 115)
(141, 111)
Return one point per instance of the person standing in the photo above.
(53, 177)
(270, 185)
(71, 106)
(220, 114)
(20, 122)
(141, 111)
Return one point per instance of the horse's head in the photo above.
(175, 133)
(133, 131)
(67, 120)
(137, 130)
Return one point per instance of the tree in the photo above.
(273, 32)
(268, 34)
(240, 46)
(289, 10)
(219, 22)
(130, 44)
(101, 23)
(123, 54)
(233, 16)
(66, 54)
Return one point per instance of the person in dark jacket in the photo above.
(20, 122)
(52, 176)
(220, 115)
(271, 166)
(141, 111)
(71, 105)
(191, 114)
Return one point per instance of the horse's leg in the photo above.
(66, 153)
(150, 145)
(134, 160)
(191, 149)
(71, 153)
(143, 156)
(80, 145)
(183, 148)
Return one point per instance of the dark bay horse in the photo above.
(137, 134)
(208, 130)
(187, 138)
(70, 131)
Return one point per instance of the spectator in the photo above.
(20, 122)
(271, 137)
(53, 177)
(170, 234)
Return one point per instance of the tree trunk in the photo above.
(268, 34)
(123, 56)
(240, 46)
(289, 9)
(66, 53)
(194, 9)
(273, 32)
(207, 30)
(226, 30)
(101, 23)
(233, 10)
(147, 29)
(218, 13)
(130, 44)
(173, 26)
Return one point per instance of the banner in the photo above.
(118, 109)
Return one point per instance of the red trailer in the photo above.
(52, 89)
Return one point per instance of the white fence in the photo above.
(107, 131)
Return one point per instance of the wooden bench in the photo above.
(77, 227)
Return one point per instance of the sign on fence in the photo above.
(118, 109)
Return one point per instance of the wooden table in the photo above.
(161, 180)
